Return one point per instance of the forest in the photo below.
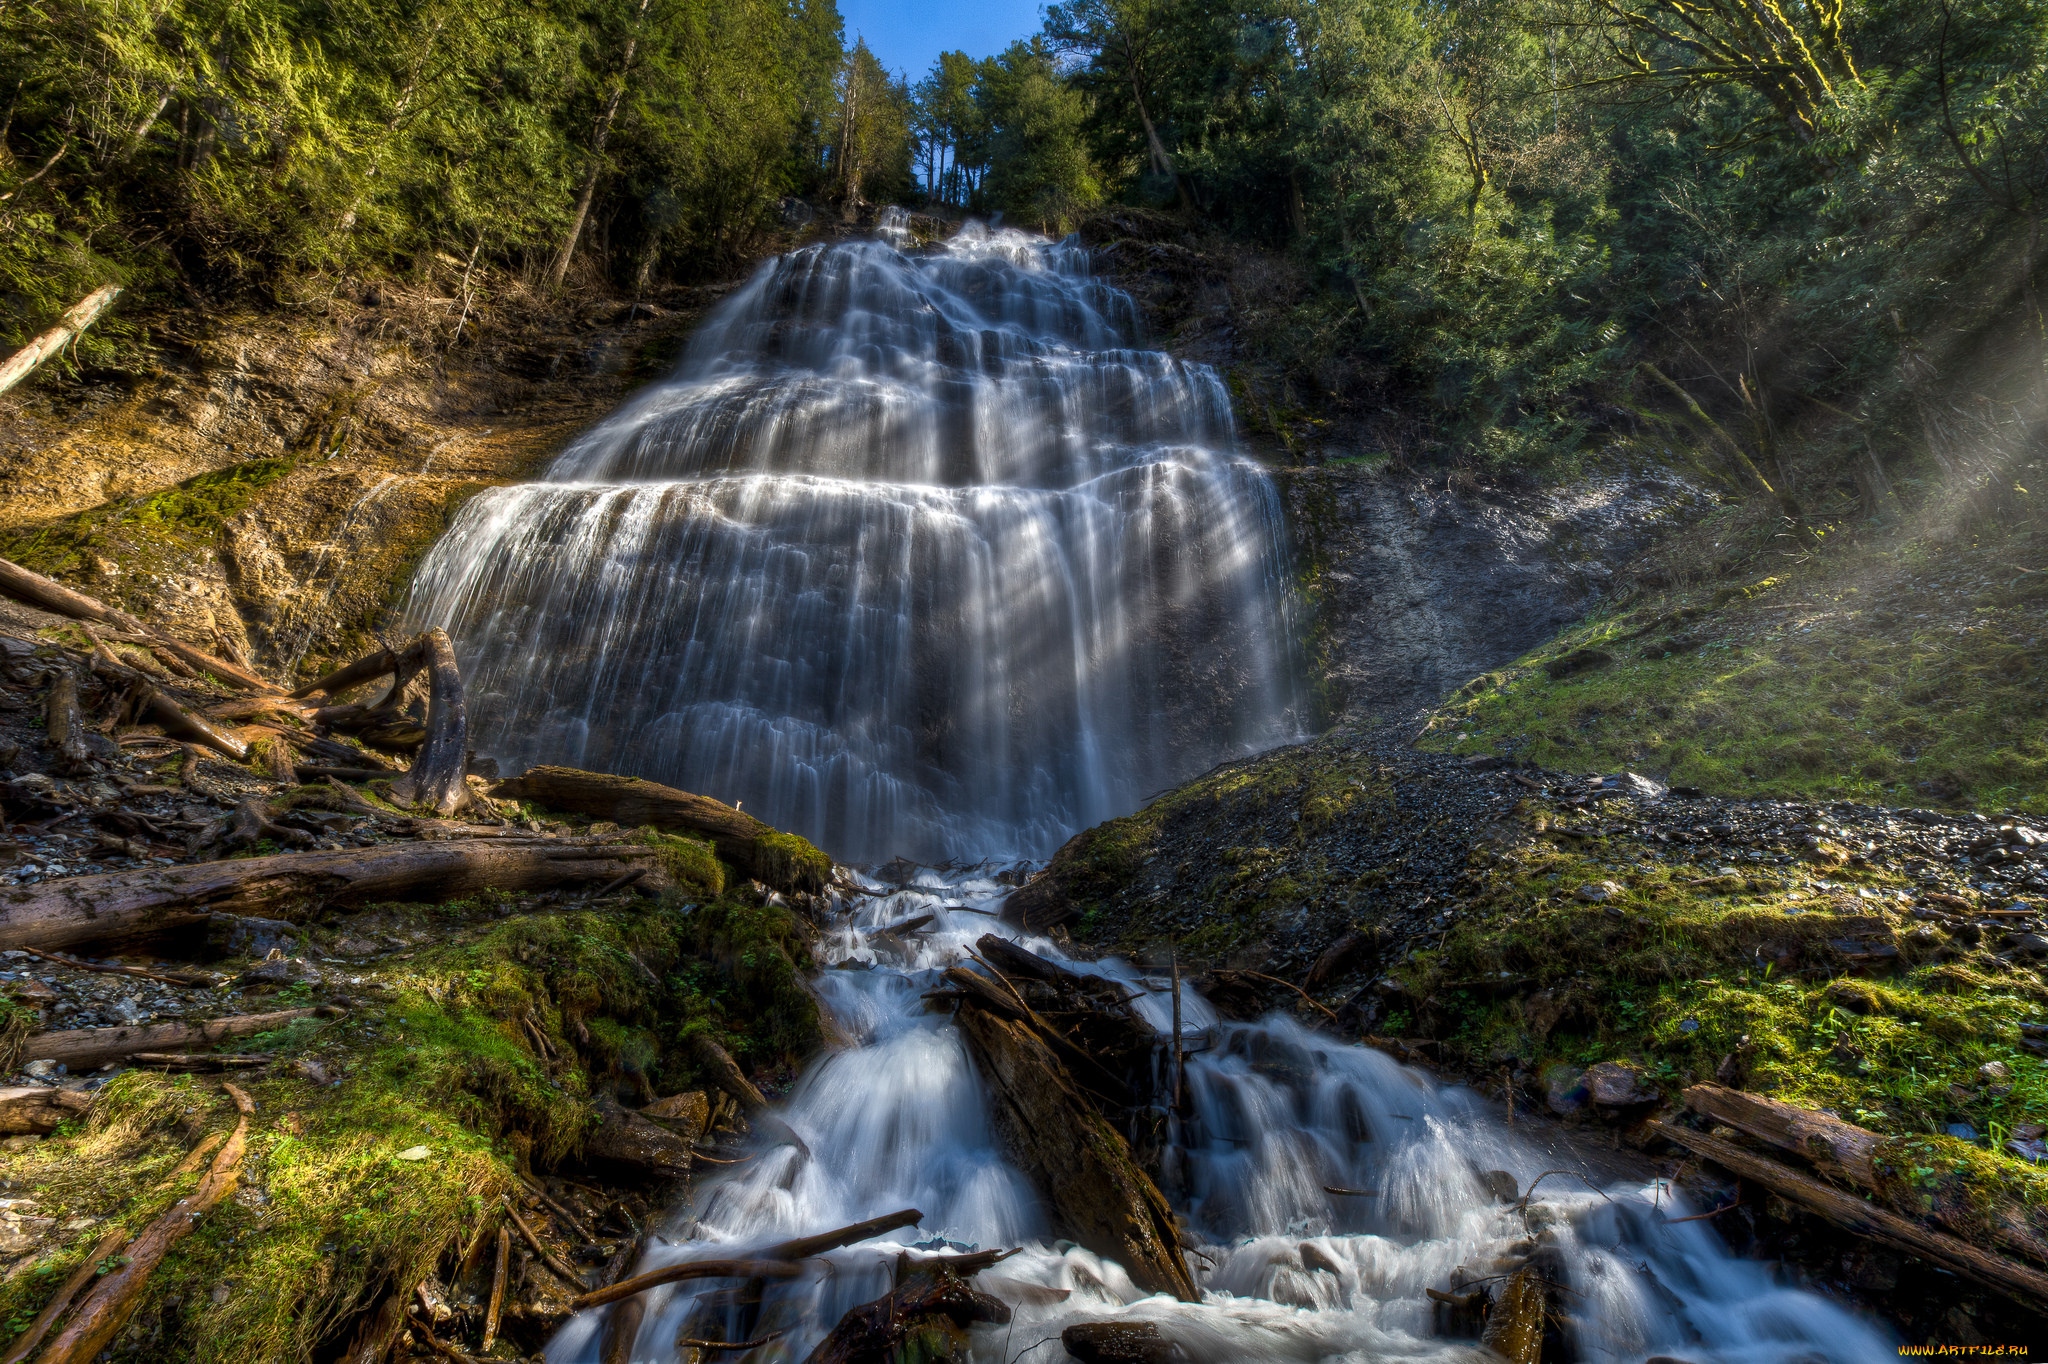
(1780, 232)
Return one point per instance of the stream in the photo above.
(920, 553)
(1276, 1113)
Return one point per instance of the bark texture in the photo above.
(122, 904)
(783, 861)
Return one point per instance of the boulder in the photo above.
(1565, 1089)
(1613, 1085)
(1118, 1342)
(687, 1114)
(630, 1142)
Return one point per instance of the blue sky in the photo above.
(908, 35)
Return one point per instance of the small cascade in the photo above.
(1277, 1116)
(917, 553)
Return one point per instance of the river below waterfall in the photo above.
(1274, 1116)
(917, 553)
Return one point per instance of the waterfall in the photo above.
(1277, 1116)
(916, 553)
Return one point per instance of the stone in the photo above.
(624, 1140)
(686, 1114)
(1500, 1185)
(1962, 1131)
(1598, 892)
(1565, 1089)
(1576, 662)
(32, 992)
(246, 935)
(1643, 788)
(2028, 945)
(1118, 1342)
(414, 1153)
(349, 945)
(1613, 1085)
(1994, 1072)
(278, 969)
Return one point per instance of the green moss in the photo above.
(150, 534)
(1681, 974)
(789, 861)
(1803, 688)
(691, 864)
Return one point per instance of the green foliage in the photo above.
(199, 146)
(1826, 231)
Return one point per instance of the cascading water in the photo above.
(1278, 1115)
(916, 555)
(913, 555)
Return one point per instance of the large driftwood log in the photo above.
(33, 588)
(2023, 1283)
(123, 904)
(107, 1308)
(435, 780)
(927, 1312)
(1854, 1155)
(1087, 1170)
(781, 860)
(79, 1048)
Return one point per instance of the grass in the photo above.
(1888, 674)
(438, 1051)
(1683, 976)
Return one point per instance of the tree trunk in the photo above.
(783, 861)
(2022, 1283)
(83, 314)
(38, 1110)
(1843, 1151)
(560, 269)
(1089, 1175)
(436, 779)
(122, 904)
(79, 1048)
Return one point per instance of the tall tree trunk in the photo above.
(1155, 148)
(560, 269)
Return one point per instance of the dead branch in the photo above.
(26, 1342)
(33, 588)
(81, 1048)
(107, 1309)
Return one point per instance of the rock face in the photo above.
(266, 489)
(1420, 590)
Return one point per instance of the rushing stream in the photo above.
(1289, 1271)
(916, 554)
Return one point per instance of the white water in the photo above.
(899, 1120)
(914, 554)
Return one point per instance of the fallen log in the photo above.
(1514, 1323)
(33, 1109)
(1090, 1177)
(725, 1072)
(929, 1302)
(84, 1047)
(2023, 1283)
(82, 909)
(644, 1149)
(64, 726)
(1845, 1152)
(75, 320)
(784, 861)
(33, 588)
(191, 979)
(198, 1061)
(689, 1269)
(88, 1269)
(107, 1308)
(775, 1262)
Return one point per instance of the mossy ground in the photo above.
(1686, 977)
(1901, 670)
(486, 1046)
